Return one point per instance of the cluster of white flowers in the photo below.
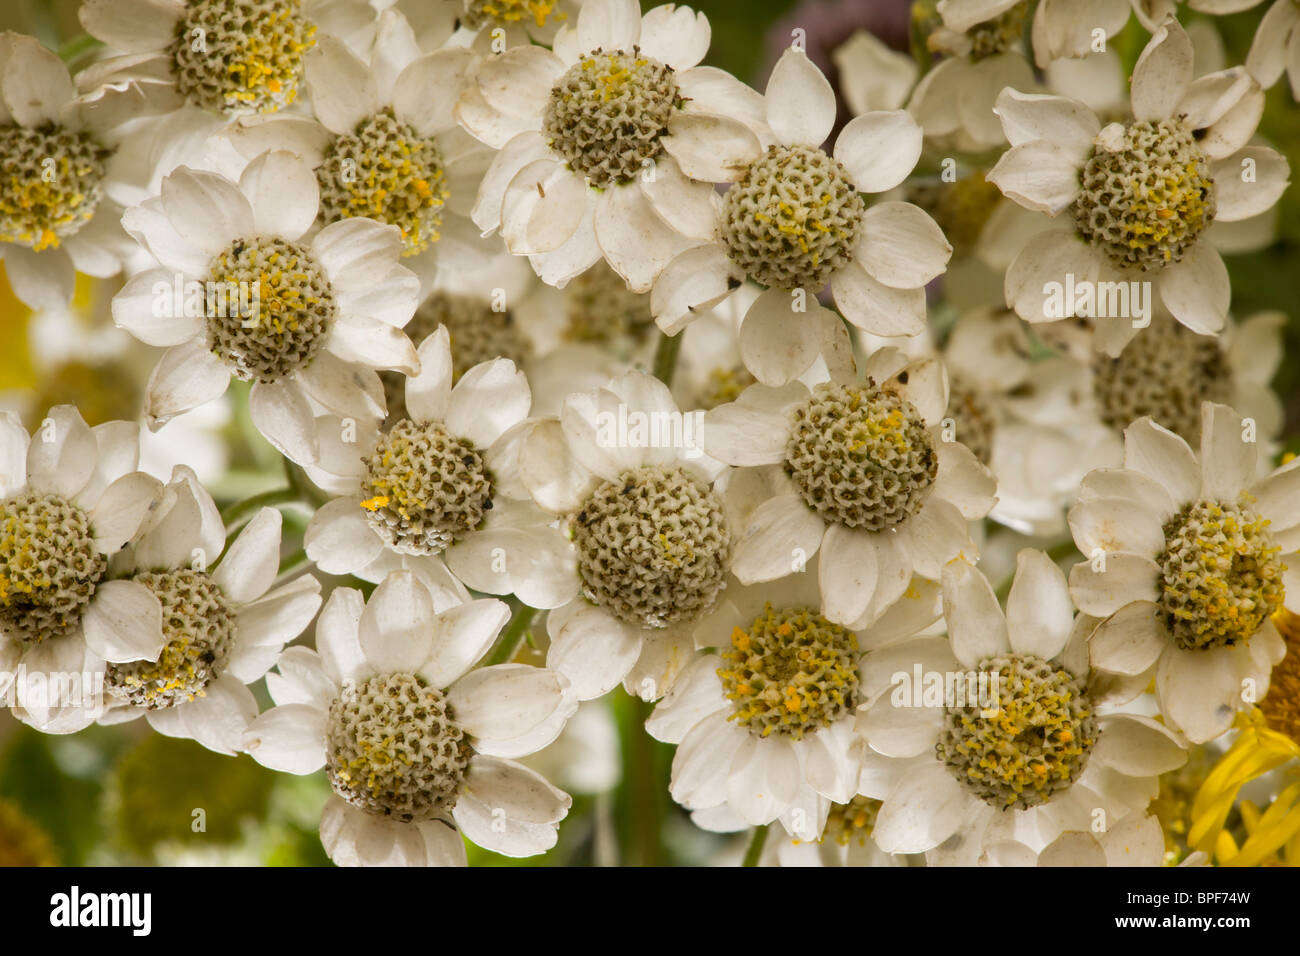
(707, 394)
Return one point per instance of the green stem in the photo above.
(303, 486)
(507, 645)
(756, 845)
(665, 362)
(77, 47)
(242, 511)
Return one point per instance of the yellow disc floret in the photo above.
(791, 672)
(241, 56)
(1220, 576)
(1035, 743)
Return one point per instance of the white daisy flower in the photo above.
(1186, 561)
(1027, 756)
(383, 147)
(223, 623)
(795, 219)
(228, 57)
(70, 498)
(1037, 447)
(445, 482)
(622, 468)
(1166, 372)
(1137, 197)
(240, 290)
(55, 220)
(764, 725)
(982, 53)
(416, 744)
(583, 173)
(862, 474)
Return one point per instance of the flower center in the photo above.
(1166, 372)
(723, 385)
(602, 310)
(793, 218)
(269, 308)
(386, 172)
(998, 34)
(851, 822)
(103, 391)
(505, 12)
(792, 672)
(1219, 575)
(1147, 200)
(49, 567)
(1281, 705)
(51, 186)
(425, 489)
(653, 546)
(607, 113)
(973, 418)
(199, 625)
(241, 56)
(394, 749)
(861, 456)
(1035, 745)
(961, 208)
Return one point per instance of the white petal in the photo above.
(848, 574)
(976, 624)
(921, 811)
(1039, 175)
(542, 207)
(715, 149)
(462, 635)
(1126, 578)
(902, 247)
(1138, 746)
(800, 101)
(509, 809)
(505, 700)
(592, 649)
(1155, 451)
(343, 90)
(1197, 290)
(1163, 73)
(487, 400)
(879, 149)
(1129, 641)
(395, 629)
(875, 307)
(251, 563)
(1227, 458)
(1040, 614)
(282, 189)
(784, 533)
(124, 622)
(289, 738)
(636, 242)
